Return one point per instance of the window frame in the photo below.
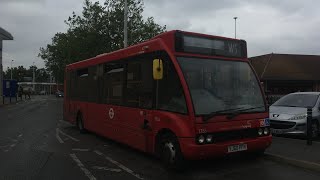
(102, 83)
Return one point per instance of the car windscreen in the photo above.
(297, 100)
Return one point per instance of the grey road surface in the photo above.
(36, 144)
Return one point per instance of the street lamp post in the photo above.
(235, 27)
(33, 78)
(11, 69)
(125, 24)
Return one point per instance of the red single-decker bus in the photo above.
(180, 95)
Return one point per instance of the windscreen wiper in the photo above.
(239, 111)
(206, 117)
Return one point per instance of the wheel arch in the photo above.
(159, 135)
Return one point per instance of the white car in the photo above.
(288, 115)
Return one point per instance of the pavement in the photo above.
(36, 144)
(14, 100)
(295, 152)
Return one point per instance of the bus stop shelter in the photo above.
(4, 35)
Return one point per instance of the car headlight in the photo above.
(260, 132)
(301, 116)
(266, 131)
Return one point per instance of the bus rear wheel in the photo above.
(170, 153)
(80, 123)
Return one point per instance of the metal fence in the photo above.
(12, 100)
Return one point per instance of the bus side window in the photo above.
(113, 83)
(139, 86)
(93, 84)
(82, 84)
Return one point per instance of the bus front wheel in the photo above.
(170, 152)
(80, 123)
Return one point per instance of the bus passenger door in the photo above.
(131, 121)
(138, 100)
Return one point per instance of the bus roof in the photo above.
(153, 44)
(168, 33)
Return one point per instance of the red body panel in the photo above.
(125, 123)
(193, 151)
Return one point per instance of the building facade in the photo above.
(4, 35)
(286, 73)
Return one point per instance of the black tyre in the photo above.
(170, 153)
(80, 123)
(315, 130)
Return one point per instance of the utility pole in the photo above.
(11, 69)
(50, 84)
(125, 24)
(33, 78)
(235, 27)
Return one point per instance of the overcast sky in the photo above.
(286, 26)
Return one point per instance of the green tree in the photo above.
(99, 29)
(18, 73)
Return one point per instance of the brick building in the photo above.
(286, 73)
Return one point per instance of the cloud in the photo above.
(32, 23)
(287, 26)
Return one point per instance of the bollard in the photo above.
(309, 126)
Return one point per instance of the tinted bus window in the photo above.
(171, 95)
(82, 84)
(68, 82)
(93, 84)
(113, 81)
(139, 86)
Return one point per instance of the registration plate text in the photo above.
(238, 147)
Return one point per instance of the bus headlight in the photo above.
(266, 131)
(260, 132)
(201, 139)
(209, 138)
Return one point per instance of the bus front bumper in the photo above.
(193, 151)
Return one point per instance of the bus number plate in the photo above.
(238, 147)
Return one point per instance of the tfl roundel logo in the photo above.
(111, 113)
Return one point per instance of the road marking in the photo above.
(98, 152)
(106, 169)
(294, 162)
(68, 135)
(83, 150)
(4, 146)
(119, 165)
(58, 137)
(13, 145)
(65, 122)
(85, 170)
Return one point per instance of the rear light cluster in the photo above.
(217, 137)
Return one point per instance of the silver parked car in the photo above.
(288, 115)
